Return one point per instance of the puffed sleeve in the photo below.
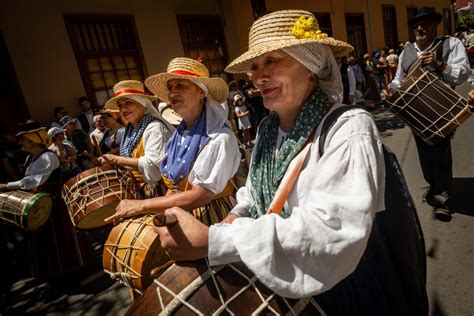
(154, 141)
(217, 162)
(37, 172)
(332, 209)
(458, 69)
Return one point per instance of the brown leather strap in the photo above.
(289, 179)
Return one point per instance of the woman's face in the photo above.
(284, 83)
(59, 137)
(108, 121)
(185, 96)
(132, 111)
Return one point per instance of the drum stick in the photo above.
(96, 145)
(161, 220)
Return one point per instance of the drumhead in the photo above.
(96, 218)
(38, 210)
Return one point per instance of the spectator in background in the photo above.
(392, 63)
(243, 116)
(86, 118)
(59, 113)
(98, 132)
(80, 140)
(110, 143)
(357, 70)
(348, 80)
(367, 60)
(66, 153)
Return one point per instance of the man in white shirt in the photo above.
(451, 65)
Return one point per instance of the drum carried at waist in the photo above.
(429, 106)
(93, 195)
(27, 210)
(131, 251)
(196, 288)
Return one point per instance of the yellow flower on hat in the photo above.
(307, 28)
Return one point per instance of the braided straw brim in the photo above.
(273, 32)
(187, 68)
(157, 84)
(112, 103)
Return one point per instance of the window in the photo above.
(324, 21)
(411, 12)
(389, 15)
(107, 51)
(447, 21)
(355, 27)
(203, 36)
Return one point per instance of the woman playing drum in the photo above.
(143, 144)
(56, 248)
(317, 243)
(113, 136)
(202, 155)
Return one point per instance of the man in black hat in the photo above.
(450, 64)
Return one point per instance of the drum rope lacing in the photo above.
(181, 297)
(457, 101)
(116, 184)
(124, 276)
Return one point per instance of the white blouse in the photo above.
(155, 137)
(332, 206)
(220, 158)
(37, 172)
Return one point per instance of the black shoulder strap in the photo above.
(329, 122)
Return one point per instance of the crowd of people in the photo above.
(300, 238)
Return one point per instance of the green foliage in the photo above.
(465, 22)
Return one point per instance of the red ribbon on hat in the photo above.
(129, 91)
(185, 73)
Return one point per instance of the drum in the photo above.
(93, 195)
(25, 209)
(131, 251)
(195, 288)
(429, 106)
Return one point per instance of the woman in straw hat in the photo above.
(56, 248)
(142, 147)
(313, 240)
(202, 155)
(114, 134)
(40, 164)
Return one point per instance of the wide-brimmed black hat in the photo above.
(425, 13)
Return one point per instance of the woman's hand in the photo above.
(126, 208)
(229, 218)
(108, 159)
(187, 239)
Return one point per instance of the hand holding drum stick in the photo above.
(96, 145)
(161, 220)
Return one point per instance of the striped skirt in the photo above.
(215, 211)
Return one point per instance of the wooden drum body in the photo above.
(27, 210)
(429, 106)
(93, 195)
(132, 250)
(195, 288)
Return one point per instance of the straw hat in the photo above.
(125, 88)
(169, 114)
(33, 131)
(283, 29)
(187, 68)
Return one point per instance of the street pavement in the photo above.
(449, 245)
